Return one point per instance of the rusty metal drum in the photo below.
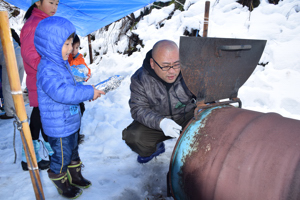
(228, 153)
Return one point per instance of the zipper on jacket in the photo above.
(70, 73)
(170, 107)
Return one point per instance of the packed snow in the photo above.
(108, 161)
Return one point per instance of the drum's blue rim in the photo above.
(182, 149)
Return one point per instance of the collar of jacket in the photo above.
(147, 66)
(76, 55)
(38, 13)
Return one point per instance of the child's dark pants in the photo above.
(65, 150)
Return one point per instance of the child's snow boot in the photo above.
(43, 164)
(75, 176)
(63, 186)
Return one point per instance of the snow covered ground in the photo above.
(109, 163)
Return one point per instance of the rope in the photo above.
(19, 125)
(14, 140)
(31, 164)
(16, 92)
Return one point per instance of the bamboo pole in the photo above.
(15, 86)
(206, 19)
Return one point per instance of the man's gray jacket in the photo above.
(152, 99)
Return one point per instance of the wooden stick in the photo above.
(206, 19)
(90, 49)
(15, 86)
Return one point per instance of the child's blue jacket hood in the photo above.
(50, 36)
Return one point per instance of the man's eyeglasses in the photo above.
(166, 68)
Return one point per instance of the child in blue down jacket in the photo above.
(59, 96)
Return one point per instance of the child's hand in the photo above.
(97, 93)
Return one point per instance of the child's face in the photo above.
(67, 48)
(75, 49)
(48, 6)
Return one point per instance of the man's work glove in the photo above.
(170, 128)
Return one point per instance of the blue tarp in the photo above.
(91, 15)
